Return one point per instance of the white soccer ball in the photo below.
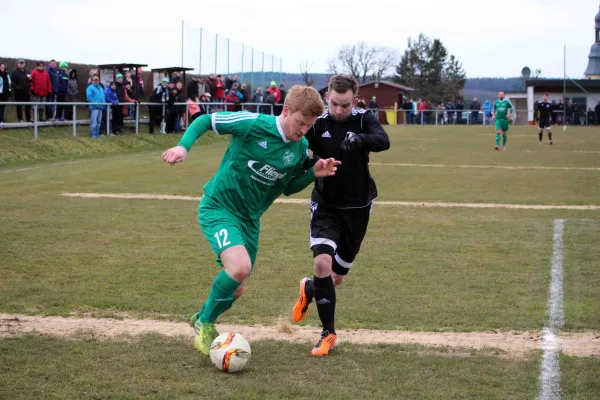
(230, 352)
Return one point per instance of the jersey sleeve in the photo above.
(302, 177)
(374, 137)
(234, 123)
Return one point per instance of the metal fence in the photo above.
(475, 117)
(36, 123)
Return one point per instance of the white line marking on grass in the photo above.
(550, 369)
(483, 166)
(150, 196)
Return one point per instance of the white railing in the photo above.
(36, 123)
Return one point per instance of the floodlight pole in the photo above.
(565, 86)
(182, 43)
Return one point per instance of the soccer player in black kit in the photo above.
(341, 205)
(545, 118)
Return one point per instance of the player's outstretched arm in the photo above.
(195, 130)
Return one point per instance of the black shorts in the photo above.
(339, 233)
(544, 123)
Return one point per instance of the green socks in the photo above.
(221, 297)
(497, 139)
(504, 139)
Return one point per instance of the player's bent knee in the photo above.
(323, 265)
(338, 279)
(236, 262)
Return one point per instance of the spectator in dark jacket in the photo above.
(193, 89)
(118, 115)
(63, 89)
(459, 107)
(41, 88)
(72, 92)
(51, 98)
(110, 93)
(20, 81)
(159, 95)
(597, 111)
(4, 89)
(475, 107)
(373, 106)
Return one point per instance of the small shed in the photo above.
(108, 72)
(159, 73)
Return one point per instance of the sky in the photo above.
(491, 39)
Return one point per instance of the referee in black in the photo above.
(545, 118)
(340, 205)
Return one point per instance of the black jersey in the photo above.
(352, 186)
(545, 110)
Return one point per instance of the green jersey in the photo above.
(259, 165)
(501, 108)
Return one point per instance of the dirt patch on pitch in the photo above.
(515, 344)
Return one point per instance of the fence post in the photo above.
(74, 120)
(187, 116)
(137, 118)
(35, 123)
(108, 120)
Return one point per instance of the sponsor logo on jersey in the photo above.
(263, 144)
(288, 157)
(350, 135)
(264, 171)
(326, 134)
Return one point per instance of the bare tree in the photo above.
(364, 61)
(307, 77)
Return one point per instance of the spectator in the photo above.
(177, 78)
(450, 112)
(259, 97)
(180, 109)
(244, 91)
(52, 96)
(559, 112)
(361, 104)
(41, 88)
(62, 90)
(597, 110)
(273, 90)
(110, 94)
(220, 89)
(475, 107)
(129, 98)
(459, 107)
(591, 117)
(373, 106)
(138, 74)
(282, 94)
(270, 100)
(21, 82)
(414, 112)
(487, 111)
(407, 108)
(212, 83)
(94, 94)
(440, 114)
(159, 95)
(205, 108)
(422, 107)
(4, 89)
(193, 89)
(193, 108)
(72, 92)
(118, 112)
(234, 98)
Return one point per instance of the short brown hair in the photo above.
(306, 100)
(343, 83)
(545, 94)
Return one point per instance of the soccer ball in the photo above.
(230, 352)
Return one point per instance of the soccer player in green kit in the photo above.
(501, 112)
(267, 156)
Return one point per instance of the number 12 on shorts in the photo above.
(222, 234)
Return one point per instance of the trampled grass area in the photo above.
(432, 269)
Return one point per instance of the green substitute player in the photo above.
(501, 112)
(267, 156)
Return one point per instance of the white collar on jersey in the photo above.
(280, 129)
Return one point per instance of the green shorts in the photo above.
(502, 125)
(223, 229)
